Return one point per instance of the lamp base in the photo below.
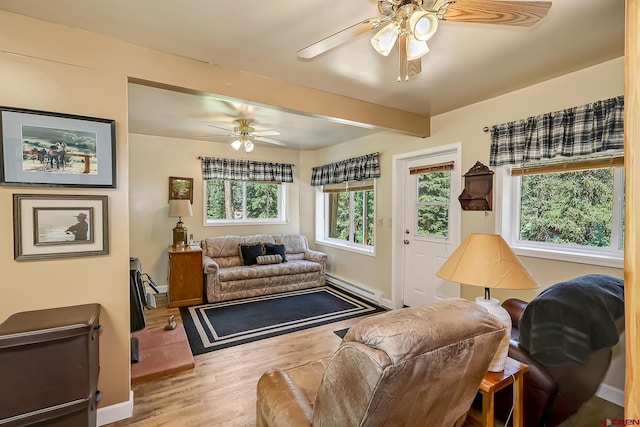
(494, 308)
(179, 234)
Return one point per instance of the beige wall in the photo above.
(152, 161)
(30, 285)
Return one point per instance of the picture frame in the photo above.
(46, 149)
(50, 226)
(180, 188)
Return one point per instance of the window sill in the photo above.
(360, 249)
(602, 260)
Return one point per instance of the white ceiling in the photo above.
(467, 62)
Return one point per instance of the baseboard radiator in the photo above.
(359, 290)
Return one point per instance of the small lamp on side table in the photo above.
(179, 208)
(487, 260)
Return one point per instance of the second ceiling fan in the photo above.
(245, 134)
(412, 22)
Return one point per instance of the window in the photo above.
(433, 196)
(347, 215)
(572, 210)
(230, 202)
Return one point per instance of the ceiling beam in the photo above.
(309, 102)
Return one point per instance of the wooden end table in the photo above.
(495, 381)
(184, 276)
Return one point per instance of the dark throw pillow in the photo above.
(250, 253)
(273, 249)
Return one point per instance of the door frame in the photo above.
(399, 162)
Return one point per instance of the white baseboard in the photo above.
(612, 394)
(117, 412)
(372, 295)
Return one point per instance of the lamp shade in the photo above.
(423, 24)
(416, 49)
(180, 208)
(385, 39)
(236, 144)
(486, 260)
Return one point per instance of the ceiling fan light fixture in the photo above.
(384, 40)
(236, 144)
(248, 146)
(423, 24)
(416, 49)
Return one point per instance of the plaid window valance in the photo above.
(245, 170)
(576, 131)
(355, 169)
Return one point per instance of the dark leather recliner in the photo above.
(555, 391)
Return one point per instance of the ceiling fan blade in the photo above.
(270, 141)
(521, 13)
(218, 127)
(338, 38)
(270, 132)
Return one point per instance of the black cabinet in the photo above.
(49, 364)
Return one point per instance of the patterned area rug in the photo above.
(214, 326)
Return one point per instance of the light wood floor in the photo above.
(220, 390)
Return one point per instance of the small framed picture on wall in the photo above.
(180, 188)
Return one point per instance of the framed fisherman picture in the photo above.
(46, 149)
(59, 226)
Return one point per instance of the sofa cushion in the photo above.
(269, 259)
(275, 249)
(262, 271)
(295, 243)
(250, 253)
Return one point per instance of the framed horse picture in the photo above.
(40, 148)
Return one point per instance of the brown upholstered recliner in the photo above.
(563, 377)
(409, 367)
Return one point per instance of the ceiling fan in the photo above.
(412, 22)
(245, 134)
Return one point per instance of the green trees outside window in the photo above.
(434, 192)
(242, 200)
(568, 207)
(351, 216)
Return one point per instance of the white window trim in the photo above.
(507, 224)
(320, 222)
(283, 210)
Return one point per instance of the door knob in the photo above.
(406, 242)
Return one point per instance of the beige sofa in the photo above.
(227, 277)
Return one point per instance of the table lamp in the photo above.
(487, 260)
(179, 208)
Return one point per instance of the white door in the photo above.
(431, 225)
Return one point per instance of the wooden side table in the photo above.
(495, 381)
(185, 276)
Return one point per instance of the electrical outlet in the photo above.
(380, 222)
